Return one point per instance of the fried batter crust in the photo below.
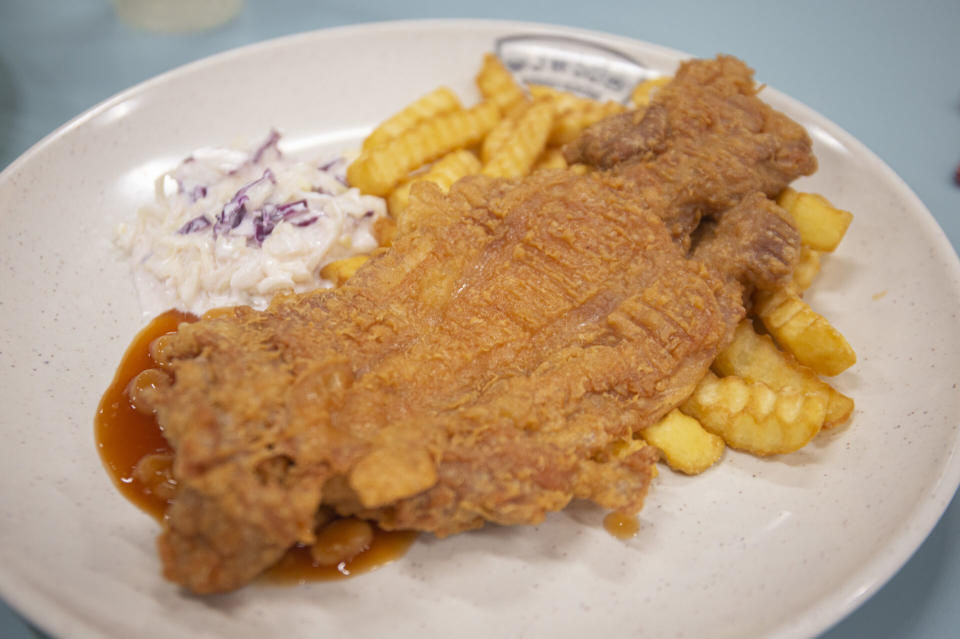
(495, 362)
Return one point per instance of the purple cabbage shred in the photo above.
(270, 215)
(198, 223)
(262, 227)
(291, 209)
(306, 222)
(271, 142)
(329, 165)
(257, 155)
(234, 210)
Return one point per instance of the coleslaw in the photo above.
(232, 228)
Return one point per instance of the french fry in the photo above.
(684, 443)
(821, 225)
(497, 85)
(385, 230)
(563, 100)
(643, 93)
(804, 332)
(573, 113)
(379, 170)
(550, 159)
(839, 409)
(787, 198)
(503, 132)
(443, 173)
(756, 358)
(752, 416)
(437, 102)
(621, 449)
(528, 139)
(340, 271)
(807, 269)
(569, 124)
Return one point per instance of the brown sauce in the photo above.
(298, 565)
(125, 436)
(621, 526)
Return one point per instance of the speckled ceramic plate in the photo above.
(753, 548)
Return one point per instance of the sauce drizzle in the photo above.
(125, 436)
(621, 526)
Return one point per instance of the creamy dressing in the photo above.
(232, 228)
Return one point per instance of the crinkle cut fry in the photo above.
(501, 348)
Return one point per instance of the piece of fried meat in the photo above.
(494, 363)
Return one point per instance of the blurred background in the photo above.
(885, 71)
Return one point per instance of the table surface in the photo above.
(881, 70)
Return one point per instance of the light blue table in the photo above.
(888, 72)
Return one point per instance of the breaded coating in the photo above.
(492, 364)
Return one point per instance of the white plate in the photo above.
(777, 548)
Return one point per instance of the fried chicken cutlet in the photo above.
(495, 362)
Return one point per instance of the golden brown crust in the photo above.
(494, 361)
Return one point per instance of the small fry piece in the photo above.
(807, 269)
(497, 85)
(385, 230)
(753, 417)
(804, 332)
(379, 170)
(443, 173)
(528, 139)
(684, 443)
(755, 358)
(787, 198)
(643, 93)
(340, 271)
(820, 224)
(550, 159)
(839, 409)
(437, 102)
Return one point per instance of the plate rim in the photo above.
(825, 612)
